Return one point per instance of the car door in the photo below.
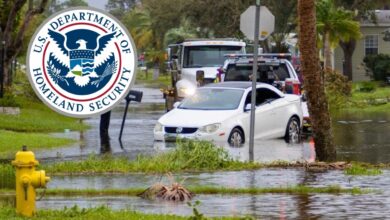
(272, 112)
(280, 114)
(262, 116)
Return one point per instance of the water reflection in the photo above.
(282, 206)
(363, 137)
(358, 137)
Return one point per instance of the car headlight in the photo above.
(158, 127)
(210, 128)
(188, 91)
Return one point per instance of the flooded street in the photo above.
(363, 137)
(325, 206)
(358, 138)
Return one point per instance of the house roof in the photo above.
(382, 19)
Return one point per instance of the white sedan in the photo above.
(221, 112)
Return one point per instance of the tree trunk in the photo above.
(317, 103)
(7, 73)
(348, 49)
(327, 52)
(13, 32)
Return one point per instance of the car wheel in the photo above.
(236, 137)
(293, 131)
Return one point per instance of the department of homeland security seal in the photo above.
(81, 62)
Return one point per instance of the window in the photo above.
(213, 99)
(207, 56)
(371, 44)
(265, 73)
(262, 96)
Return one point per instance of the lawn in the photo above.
(37, 117)
(10, 142)
(7, 212)
(163, 81)
(32, 126)
(366, 101)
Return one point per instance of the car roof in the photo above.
(235, 85)
(242, 85)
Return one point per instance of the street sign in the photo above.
(266, 22)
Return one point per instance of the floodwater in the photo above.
(375, 205)
(363, 137)
(358, 137)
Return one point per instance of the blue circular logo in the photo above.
(81, 62)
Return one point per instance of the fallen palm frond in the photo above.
(176, 192)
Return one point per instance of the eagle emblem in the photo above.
(81, 57)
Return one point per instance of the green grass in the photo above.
(206, 190)
(187, 156)
(163, 81)
(7, 212)
(11, 142)
(366, 101)
(7, 177)
(210, 190)
(378, 92)
(362, 170)
(37, 117)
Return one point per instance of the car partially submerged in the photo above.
(273, 68)
(221, 113)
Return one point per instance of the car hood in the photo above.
(194, 118)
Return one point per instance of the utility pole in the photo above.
(254, 82)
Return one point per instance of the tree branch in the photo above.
(11, 19)
(29, 15)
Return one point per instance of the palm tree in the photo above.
(334, 24)
(139, 23)
(176, 35)
(317, 103)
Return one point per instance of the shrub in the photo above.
(378, 66)
(8, 100)
(366, 86)
(338, 88)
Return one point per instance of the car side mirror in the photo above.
(176, 104)
(248, 107)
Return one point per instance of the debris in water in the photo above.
(176, 192)
(323, 166)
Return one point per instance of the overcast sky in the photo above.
(97, 3)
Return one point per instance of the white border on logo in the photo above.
(133, 69)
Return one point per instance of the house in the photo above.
(375, 40)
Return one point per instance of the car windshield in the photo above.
(213, 99)
(242, 72)
(208, 56)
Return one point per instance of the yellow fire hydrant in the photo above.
(27, 180)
